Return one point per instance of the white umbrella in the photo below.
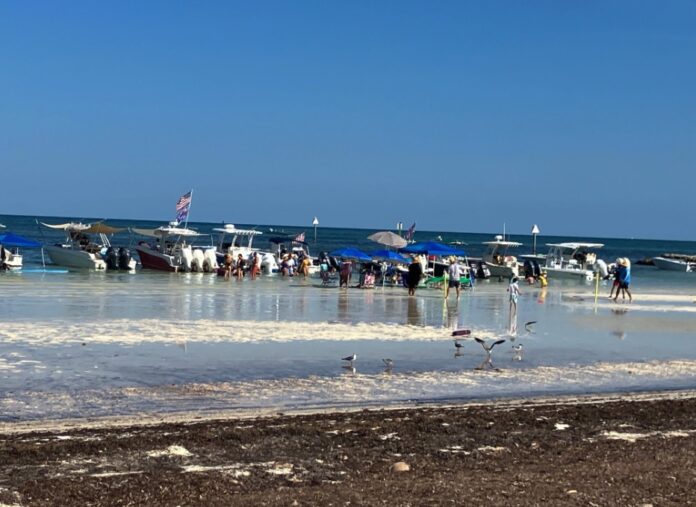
(388, 238)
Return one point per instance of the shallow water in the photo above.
(86, 343)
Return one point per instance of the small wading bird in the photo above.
(350, 359)
(488, 348)
(517, 350)
(388, 365)
(528, 326)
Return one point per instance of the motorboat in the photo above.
(675, 262)
(231, 242)
(499, 262)
(171, 252)
(10, 257)
(289, 245)
(572, 260)
(87, 246)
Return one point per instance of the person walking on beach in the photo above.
(514, 294)
(624, 277)
(455, 272)
(614, 271)
(345, 273)
(415, 271)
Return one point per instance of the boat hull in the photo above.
(673, 264)
(151, 259)
(74, 258)
(570, 274)
(502, 271)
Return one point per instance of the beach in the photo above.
(601, 450)
(149, 388)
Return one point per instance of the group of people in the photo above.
(622, 279)
(292, 263)
(238, 267)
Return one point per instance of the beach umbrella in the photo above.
(351, 253)
(388, 238)
(389, 256)
(432, 248)
(13, 240)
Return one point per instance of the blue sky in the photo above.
(578, 116)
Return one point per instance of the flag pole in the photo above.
(189, 210)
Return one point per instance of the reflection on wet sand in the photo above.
(414, 315)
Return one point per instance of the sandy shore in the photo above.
(613, 450)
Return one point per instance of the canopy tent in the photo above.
(96, 228)
(69, 226)
(433, 248)
(13, 240)
(165, 231)
(102, 228)
(388, 238)
(389, 256)
(231, 229)
(351, 253)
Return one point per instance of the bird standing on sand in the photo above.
(488, 348)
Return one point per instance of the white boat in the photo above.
(171, 252)
(674, 264)
(298, 248)
(499, 262)
(571, 260)
(231, 242)
(80, 250)
(10, 258)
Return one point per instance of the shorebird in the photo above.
(517, 349)
(528, 326)
(350, 359)
(388, 365)
(458, 344)
(488, 348)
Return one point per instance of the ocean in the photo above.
(81, 343)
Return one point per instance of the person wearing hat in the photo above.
(455, 272)
(624, 278)
(614, 271)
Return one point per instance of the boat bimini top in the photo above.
(574, 246)
(97, 228)
(231, 229)
(164, 231)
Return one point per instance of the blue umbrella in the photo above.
(351, 253)
(432, 248)
(389, 256)
(12, 240)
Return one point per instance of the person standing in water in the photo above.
(455, 272)
(514, 294)
(624, 277)
(415, 271)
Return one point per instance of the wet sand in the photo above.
(611, 450)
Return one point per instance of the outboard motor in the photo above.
(601, 267)
(528, 269)
(537, 268)
(210, 264)
(111, 258)
(197, 261)
(482, 271)
(186, 258)
(124, 258)
(269, 264)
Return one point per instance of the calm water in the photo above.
(87, 343)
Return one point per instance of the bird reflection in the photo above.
(488, 362)
(350, 370)
(517, 352)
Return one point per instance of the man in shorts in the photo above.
(455, 272)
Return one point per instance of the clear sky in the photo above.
(578, 116)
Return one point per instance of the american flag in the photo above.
(300, 237)
(182, 206)
(410, 231)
